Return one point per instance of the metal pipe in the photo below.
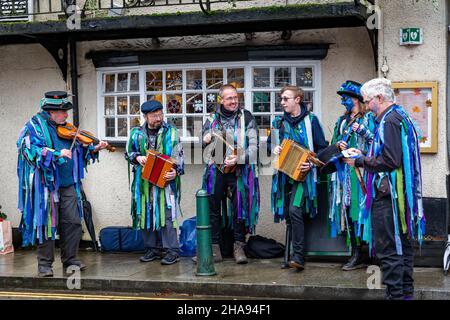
(74, 80)
(205, 260)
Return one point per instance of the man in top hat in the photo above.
(155, 210)
(353, 129)
(50, 171)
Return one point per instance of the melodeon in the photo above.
(156, 167)
(291, 158)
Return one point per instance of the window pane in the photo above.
(261, 101)
(122, 82)
(194, 126)
(308, 100)
(174, 103)
(241, 99)
(212, 101)
(134, 104)
(304, 77)
(157, 97)
(109, 82)
(134, 81)
(174, 80)
(177, 122)
(261, 77)
(110, 127)
(214, 78)
(263, 122)
(194, 80)
(109, 106)
(122, 127)
(278, 106)
(194, 103)
(236, 77)
(154, 81)
(122, 105)
(282, 77)
(135, 122)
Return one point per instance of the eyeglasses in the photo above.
(232, 99)
(368, 101)
(156, 116)
(286, 98)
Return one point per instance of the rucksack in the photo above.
(263, 248)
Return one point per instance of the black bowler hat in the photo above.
(151, 106)
(56, 100)
(326, 155)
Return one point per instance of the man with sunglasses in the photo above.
(155, 210)
(291, 200)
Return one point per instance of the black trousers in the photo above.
(225, 183)
(294, 217)
(70, 231)
(397, 269)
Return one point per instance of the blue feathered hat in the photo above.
(352, 89)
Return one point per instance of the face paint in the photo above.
(347, 102)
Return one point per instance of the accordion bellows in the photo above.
(156, 167)
(291, 158)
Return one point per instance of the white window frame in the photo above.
(247, 91)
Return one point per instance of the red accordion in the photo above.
(156, 167)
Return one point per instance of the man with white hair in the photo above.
(393, 205)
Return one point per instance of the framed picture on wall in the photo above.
(420, 100)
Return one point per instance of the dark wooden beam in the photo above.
(278, 18)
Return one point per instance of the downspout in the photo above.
(74, 80)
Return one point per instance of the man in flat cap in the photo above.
(50, 170)
(155, 210)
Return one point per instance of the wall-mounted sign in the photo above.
(411, 36)
(420, 100)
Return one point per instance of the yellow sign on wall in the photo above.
(420, 100)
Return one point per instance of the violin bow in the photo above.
(75, 138)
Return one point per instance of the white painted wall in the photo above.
(426, 62)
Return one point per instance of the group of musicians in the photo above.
(381, 206)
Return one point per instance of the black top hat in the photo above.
(352, 89)
(326, 155)
(56, 100)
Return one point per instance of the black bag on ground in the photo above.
(263, 248)
(121, 239)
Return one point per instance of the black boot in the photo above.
(356, 260)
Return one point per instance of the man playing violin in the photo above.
(155, 210)
(50, 170)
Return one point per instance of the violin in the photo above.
(68, 131)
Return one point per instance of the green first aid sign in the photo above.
(409, 36)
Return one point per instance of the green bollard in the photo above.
(205, 261)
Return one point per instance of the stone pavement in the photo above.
(123, 273)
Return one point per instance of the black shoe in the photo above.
(170, 258)
(45, 272)
(150, 255)
(300, 266)
(76, 263)
(355, 262)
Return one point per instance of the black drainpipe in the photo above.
(74, 80)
